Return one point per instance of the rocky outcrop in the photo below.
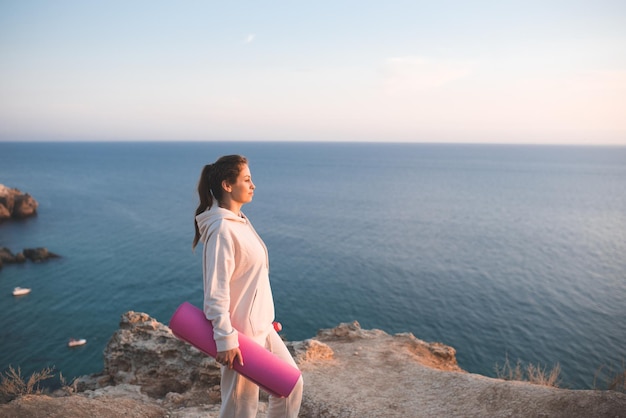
(143, 356)
(144, 352)
(35, 255)
(348, 373)
(15, 204)
(7, 257)
(373, 374)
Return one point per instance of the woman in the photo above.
(237, 293)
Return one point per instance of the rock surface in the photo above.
(38, 254)
(80, 406)
(7, 257)
(15, 204)
(144, 352)
(348, 372)
(35, 255)
(374, 374)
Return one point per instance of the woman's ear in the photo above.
(227, 187)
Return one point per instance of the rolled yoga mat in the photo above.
(264, 368)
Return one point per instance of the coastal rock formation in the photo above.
(36, 255)
(7, 257)
(348, 373)
(373, 374)
(144, 352)
(15, 204)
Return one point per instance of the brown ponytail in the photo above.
(226, 168)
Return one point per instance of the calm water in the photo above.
(498, 251)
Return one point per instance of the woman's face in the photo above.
(243, 190)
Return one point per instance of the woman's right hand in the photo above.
(228, 357)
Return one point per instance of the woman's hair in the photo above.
(226, 168)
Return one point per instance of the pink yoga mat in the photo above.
(264, 368)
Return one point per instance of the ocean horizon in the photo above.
(500, 251)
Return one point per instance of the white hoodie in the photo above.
(237, 293)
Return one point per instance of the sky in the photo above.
(541, 72)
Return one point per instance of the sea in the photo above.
(505, 252)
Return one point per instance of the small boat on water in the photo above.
(20, 291)
(75, 343)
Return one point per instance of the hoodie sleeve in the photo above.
(219, 264)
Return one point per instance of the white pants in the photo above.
(240, 397)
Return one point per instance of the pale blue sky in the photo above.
(437, 71)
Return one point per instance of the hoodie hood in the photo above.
(212, 217)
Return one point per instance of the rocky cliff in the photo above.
(16, 204)
(348, 372)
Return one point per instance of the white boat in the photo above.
(74, 343)
(19, 291)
